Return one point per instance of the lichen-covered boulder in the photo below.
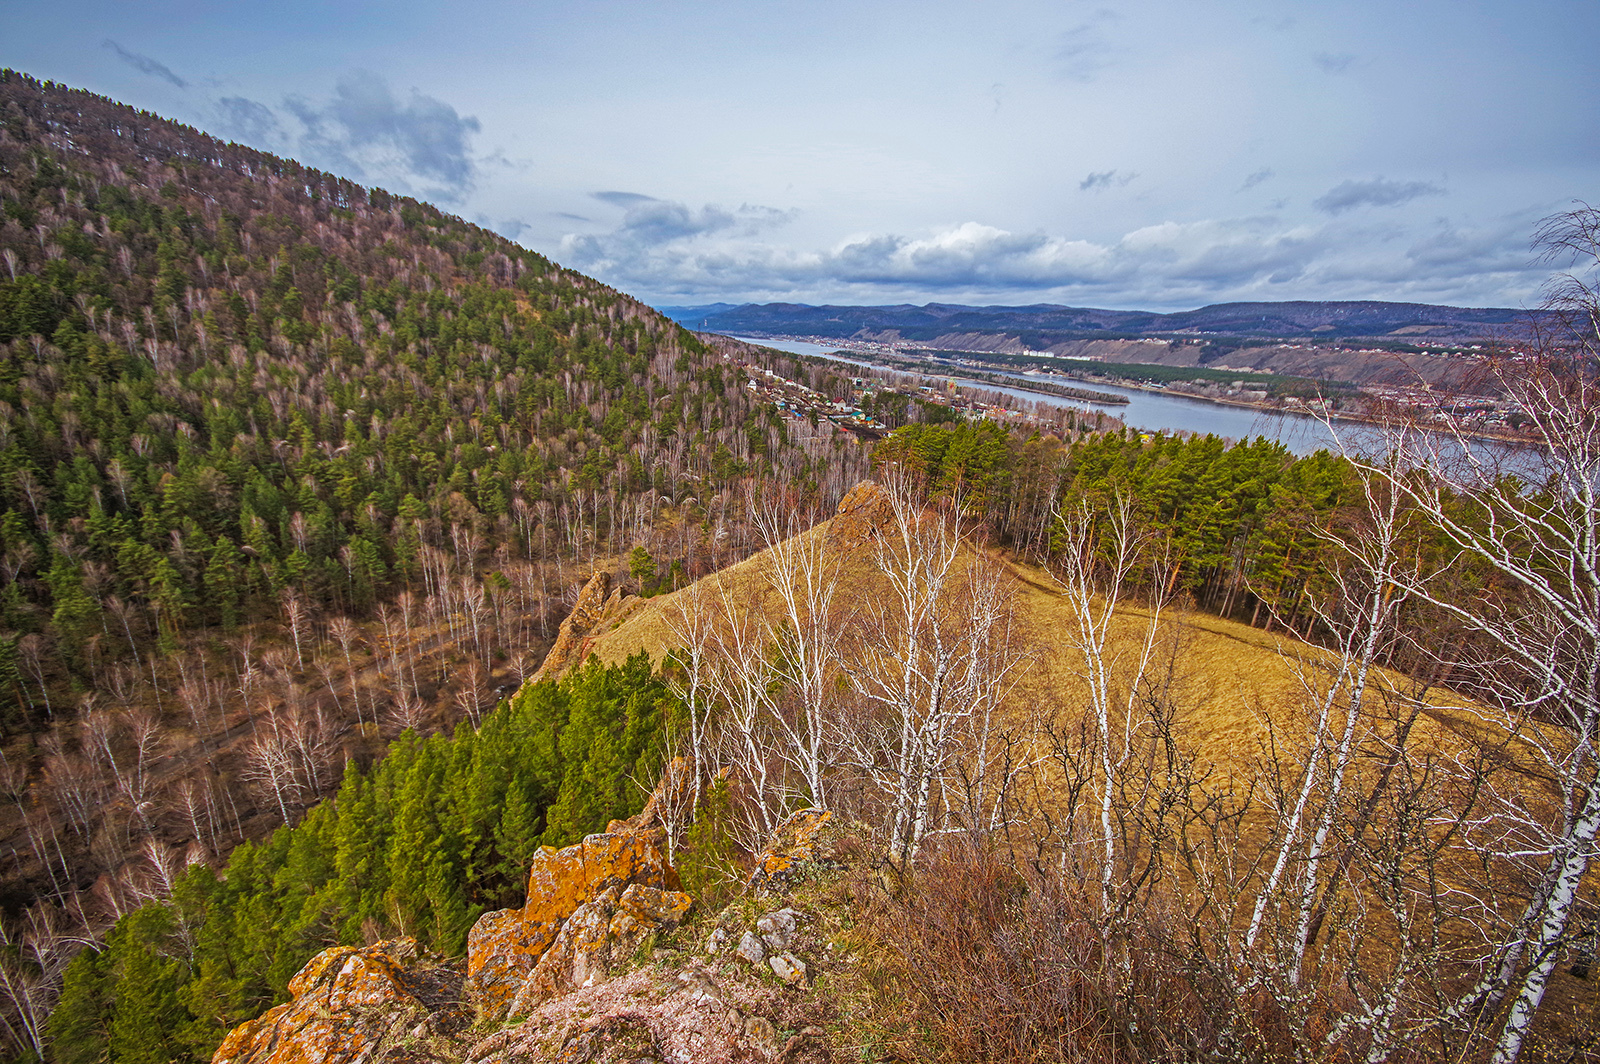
(793, 845)
(504, 947)
(643, 910)
(561, 880)
(352, 1005)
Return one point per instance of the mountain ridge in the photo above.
(1320, 319)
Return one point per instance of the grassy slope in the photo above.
(1234, 681)
(1242, 690)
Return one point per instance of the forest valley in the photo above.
(297, 479)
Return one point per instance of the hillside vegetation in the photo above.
(287, 466)
(1133, 747)
(437, 833)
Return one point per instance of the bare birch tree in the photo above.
(805, 572)
(922, 660)
(693, 624)
(1358, 617)
(1538, 532)
(1097, 557)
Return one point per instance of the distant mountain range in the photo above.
(1043, 323)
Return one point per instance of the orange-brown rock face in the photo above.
(862, 514)
(505, 947)
(352, 1005)
(502, 949)
(600, 934)
(571, 639)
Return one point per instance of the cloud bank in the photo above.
(418, 145)
(667, 251)
(366, 127)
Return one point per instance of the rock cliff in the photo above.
(355, 1005)
(582, 886)
(862, 515)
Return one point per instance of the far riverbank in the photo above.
(1150, 408)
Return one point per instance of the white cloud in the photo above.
(364, 126)
(248, 121)
(665, 251)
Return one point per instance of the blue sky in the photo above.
(1158, 154)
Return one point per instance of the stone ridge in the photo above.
(593, 612)
(589, 907)
(575, 630)
(794, 846)
(863, 514)
(572, 976)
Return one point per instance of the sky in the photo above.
(1149, 154)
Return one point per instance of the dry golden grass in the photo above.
(1235, 683)
(1241, 692)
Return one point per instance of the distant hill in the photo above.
(1043, 323)
(691, 315)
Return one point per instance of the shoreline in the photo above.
(1020, 381)
(1358, 419)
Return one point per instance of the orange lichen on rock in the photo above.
(603, 932)
(792, 843)
(352, 1004)
(504, 947)
(561, 880)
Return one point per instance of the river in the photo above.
(1146, 410)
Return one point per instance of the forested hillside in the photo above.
(1241, 520)
(289, 465)
(440, 831)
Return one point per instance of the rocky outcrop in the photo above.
(595, 939)
(504, 948)
(593, 612)
(692, 1016)
(862, 515)
(350, 1005)
(575, 975)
